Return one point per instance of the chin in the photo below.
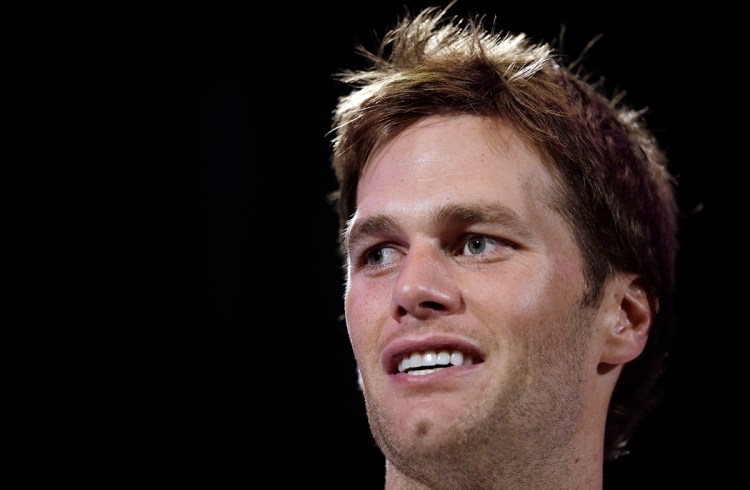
(420, 432)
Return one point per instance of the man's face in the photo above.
(462, 298)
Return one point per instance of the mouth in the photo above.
(421, 363)
(420, 360)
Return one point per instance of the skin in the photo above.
(454, 245)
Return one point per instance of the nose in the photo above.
(425, 287)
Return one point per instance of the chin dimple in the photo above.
(419, 363)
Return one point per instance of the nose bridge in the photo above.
(425, 284)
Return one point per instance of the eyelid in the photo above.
(357, 250)
(496, 241)
(361, 257)
(361, 252)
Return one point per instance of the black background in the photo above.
(171, 286)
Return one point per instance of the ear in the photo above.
(631, 317)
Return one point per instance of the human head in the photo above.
(612, 186)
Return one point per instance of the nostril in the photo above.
(432, 305)
(424, 305)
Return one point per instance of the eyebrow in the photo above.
(358, 231)
(458, 214)
(451, 215)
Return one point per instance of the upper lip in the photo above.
(398, 348)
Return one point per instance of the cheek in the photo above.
(366, 308)
(523, 301)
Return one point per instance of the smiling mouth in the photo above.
(430, 361)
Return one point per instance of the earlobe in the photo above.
(626, 338)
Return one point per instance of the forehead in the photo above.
(454, 158)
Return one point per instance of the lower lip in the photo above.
(442, 375)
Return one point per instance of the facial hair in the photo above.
(517, 437)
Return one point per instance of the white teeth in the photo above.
(441, 359)
(415, 360)
(403, 365)
(429, 358)
(421, 372)
(457, 358)
(444, 357)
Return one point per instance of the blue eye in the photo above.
(374, 257)
(476, 245)
(380, 256)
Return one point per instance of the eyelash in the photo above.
(365, 257)
(367, 254)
